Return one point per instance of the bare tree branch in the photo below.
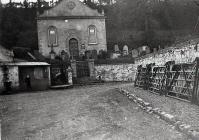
(196, 2)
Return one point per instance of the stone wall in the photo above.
(116, 72)
(181, 53)
(13, 76)
(185, 52)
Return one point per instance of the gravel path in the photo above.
(85, 113)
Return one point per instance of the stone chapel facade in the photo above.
(71, 27)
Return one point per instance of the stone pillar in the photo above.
(70, 76)
(91, 67)
(74, 68)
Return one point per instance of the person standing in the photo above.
(28, 82)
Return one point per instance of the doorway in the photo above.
(73, 48)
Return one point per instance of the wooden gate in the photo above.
(82, 69)
(176, 80)
(139, 80)
(181, 81)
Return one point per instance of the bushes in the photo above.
(102, 54)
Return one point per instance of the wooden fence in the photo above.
(175, 80)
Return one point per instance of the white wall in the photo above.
(115, 72)
(183, 53)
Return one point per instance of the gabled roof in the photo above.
(68, 9)
(25, 54)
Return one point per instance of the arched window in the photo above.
(92, 33)
(52, 36)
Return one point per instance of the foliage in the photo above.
(18, 27)
(131, 22)
(102, 54)
(149, 18)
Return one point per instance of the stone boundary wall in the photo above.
(13, 76)
(181, 53)
(185, 52)
(115, 72)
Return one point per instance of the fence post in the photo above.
(74, 68)
(91, 67)
(195, 98)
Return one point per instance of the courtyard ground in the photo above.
(84, 113)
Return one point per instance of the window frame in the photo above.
(52, 28)
(95, 34)
(38, 73)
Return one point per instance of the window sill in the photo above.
(92, 43)
(54, 45)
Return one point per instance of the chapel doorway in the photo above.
(73, 48)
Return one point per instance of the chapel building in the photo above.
(71, 27)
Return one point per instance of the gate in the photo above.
(176, 80)
(82, 69)
(59, 74)
(139, 79)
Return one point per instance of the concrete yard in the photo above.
(84, 113)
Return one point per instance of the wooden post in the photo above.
(195, 98)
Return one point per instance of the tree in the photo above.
(19, 26)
